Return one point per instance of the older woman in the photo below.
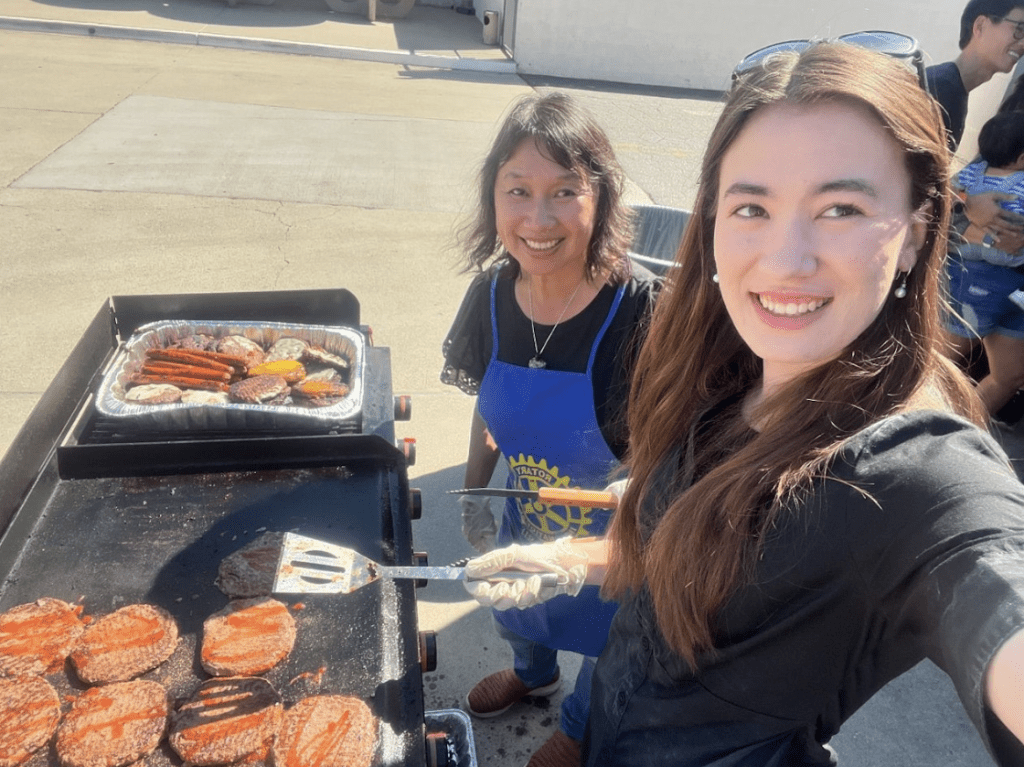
(813, 506)
(545, 337)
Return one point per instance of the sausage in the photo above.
(183, 382)
(196, 357)
(187, 371)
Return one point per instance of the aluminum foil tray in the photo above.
(230, 416)
(458, 731)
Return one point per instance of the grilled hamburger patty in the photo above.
(29, 712)
(326, 731)
(227, 720)
(250, 571)
(113, 725)
(249, 636)
(35, 638)
(124, 644)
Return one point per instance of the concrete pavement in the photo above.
(133, 167)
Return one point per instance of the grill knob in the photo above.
(415, 503)
(419, 559)
(408, 448)
(428, 651)
(403, 407)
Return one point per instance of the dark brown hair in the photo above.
(568, 135)
(1001, 140)
(707, 540)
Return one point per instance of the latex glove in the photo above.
(478, 522)
(618, 489)
(558, 558)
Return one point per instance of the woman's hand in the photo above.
(618, 489)
(478, 523)
(559, 558)
(1004, 684)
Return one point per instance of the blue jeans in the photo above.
(536, 665)
(979, 293)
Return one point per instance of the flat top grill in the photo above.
(111, 517)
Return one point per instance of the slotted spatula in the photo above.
(309, 566)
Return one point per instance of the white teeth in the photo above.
(541, 244)
(791, 309)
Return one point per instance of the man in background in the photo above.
(991, 41)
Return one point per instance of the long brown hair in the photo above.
(569, 135)
(700, 542)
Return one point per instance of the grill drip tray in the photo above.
(455, 746)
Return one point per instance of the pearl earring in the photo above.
(714, 278)
(901, 289)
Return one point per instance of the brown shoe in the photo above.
(558, 751)
(497, 693)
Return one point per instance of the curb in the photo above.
(178, 37)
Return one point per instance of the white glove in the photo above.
(557, 558)
(618, 489)
(478, 522)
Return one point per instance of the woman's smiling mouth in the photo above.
(792, 307)
(541, 244)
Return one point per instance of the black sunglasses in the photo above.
(899, 46)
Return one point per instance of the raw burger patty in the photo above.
(326, 731)
(249, 636)
(36, 638)
(29, 712)
(113, 725)
(124, 644)
(250, 571)
(153, 394)
(227, 720)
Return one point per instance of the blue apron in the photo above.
(546, 427)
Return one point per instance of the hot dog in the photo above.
(183, 382)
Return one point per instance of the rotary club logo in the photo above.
(544, 521)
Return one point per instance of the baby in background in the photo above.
(1001, 169)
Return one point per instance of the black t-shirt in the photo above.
(912, 547)
(467, 348)
(947, 87)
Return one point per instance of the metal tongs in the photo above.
(309, 566)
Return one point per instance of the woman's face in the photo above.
(813, 222)
(544, 213)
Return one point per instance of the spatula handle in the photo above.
(459, 574)
(574, 496)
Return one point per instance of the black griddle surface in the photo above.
(111, 542)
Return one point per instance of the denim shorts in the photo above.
(979, 292)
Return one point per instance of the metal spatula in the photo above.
(309, 566)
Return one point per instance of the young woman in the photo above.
(813, 507)
(544, 337)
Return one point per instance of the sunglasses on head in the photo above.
(899, 46)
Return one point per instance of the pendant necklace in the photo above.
(537, 362)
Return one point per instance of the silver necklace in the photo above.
(537, 362)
